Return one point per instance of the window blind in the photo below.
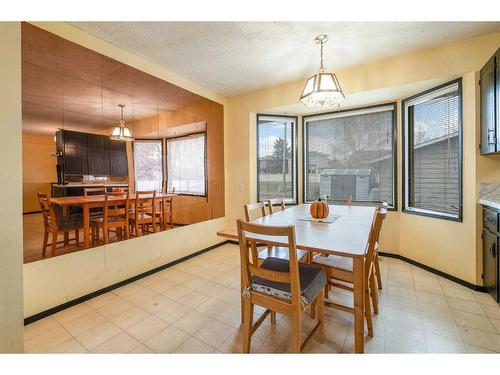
(351, 153)
(186, 164)
(433, 165)
(148, 163)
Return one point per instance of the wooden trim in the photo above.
(477, 288)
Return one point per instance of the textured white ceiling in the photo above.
(234, 57)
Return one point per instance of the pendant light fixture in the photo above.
(121, 132)
(322, 89)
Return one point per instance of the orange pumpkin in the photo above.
(319, 209)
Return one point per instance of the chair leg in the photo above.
(248, 322)
(296, 330)
(105, 233)
(127, 232)
(327, 289)
(77, 237)
(374, 293)
(313, 308)
(368, 311)
(45, 240)
(273, 317)
(377, 272)
(54, 243)
(321, 315)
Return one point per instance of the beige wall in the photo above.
(54, 281)
(11, 245)
(39, 168)
(448, 246)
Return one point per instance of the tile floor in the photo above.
(194, 308)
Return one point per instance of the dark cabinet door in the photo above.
(75, 160)
(490, 263)
(489, 136)
(98, 161)
(75, 139)
(118, 160)
(497, 97)
(95, 141)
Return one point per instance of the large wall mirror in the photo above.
(110, 152)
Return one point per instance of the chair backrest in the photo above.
(275, 202)
(48, 213)
(373, 240)
(120, 189)
(116, 204)
(145, 202)
(264, 234)
(251, 207)
(94, 191)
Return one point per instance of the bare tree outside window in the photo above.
(276, 158)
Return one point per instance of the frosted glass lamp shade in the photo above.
(322, 90)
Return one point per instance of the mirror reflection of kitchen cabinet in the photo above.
(118, 158)
(98, 155)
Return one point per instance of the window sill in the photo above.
(433, 215)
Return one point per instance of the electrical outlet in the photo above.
(242, 187)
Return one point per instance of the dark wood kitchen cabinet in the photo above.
(84, 153)
(118, 158)
(490, 105)
(491, 240)
(98, 155)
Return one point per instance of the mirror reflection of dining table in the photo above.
(345, 233)
(93, 201)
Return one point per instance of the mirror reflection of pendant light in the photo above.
(121, 132)
(322, 89)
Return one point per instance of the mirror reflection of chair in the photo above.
(144, 213)
(95, 212)
(115, 216)
(279, 285)
(55, 223)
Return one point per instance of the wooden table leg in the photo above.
(66, 233)
(86, 226)
(359, 304)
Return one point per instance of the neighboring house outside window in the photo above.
(351, 153)
(432, 170)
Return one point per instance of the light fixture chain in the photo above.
(321, 56)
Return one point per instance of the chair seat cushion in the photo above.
(334, 261)
(312, 279)
(279, 252)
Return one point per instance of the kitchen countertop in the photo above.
(489, 195)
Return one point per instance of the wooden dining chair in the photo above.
(144, 213)
(252, 208)
(383, 207)
(340, 273)
(94, 212)
(275, 202)
(167, 214)
(115, 216)
(56, 224)
(270, 251)
(278, 285)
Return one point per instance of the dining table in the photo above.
(93, 201)
(344, 233)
